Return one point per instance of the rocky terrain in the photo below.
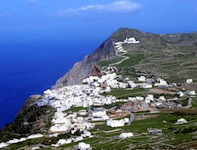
(136, 91)
(171, 56)
(83, 69)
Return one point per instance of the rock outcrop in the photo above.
(83, 69)
(167, 48)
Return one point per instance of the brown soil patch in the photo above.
(146, 117)
(174, 89)
(191, 87)
(114, 115)
(161, 91)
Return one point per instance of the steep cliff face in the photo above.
(87, 67)
(167, 48)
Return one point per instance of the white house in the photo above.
(161, 82)
(131, 98)
(144, 85)
(142, 78)
(181, 94)
(122, 85)
(83, 146)
(61, 142)
(116, 123)
(126, 120)
(78, 138)
(99, 114)
(131, 40)
(131, 84)
(189, 81)
(107, 89)
(149, 98)
(82, 112)
(126, 135)
(181, 121)
(139, 98)
(162, 98)
(192, 93)
(86, 133)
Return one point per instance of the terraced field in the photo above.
(174, 136)
(182, 139)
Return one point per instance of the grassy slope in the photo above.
(173, 57)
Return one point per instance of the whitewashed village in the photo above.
(92, 96)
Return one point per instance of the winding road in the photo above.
(120, 53)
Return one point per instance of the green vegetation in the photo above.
(133, 60)
(167, 56)
(109, 61)
(75, 109)
(38, 118)
(141, 139)
(123, 93)
(172, 57)
(194, 102)
(174, 135)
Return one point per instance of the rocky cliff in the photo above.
(87, 67)
(157, 54)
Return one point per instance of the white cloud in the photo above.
(121, 6)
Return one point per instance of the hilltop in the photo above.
(170, 56)
(136, 91)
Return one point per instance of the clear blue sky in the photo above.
(58, 19)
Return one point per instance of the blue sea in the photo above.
(28, 68)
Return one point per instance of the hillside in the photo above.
(136, 91)
(83, 69)
(170, 56)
